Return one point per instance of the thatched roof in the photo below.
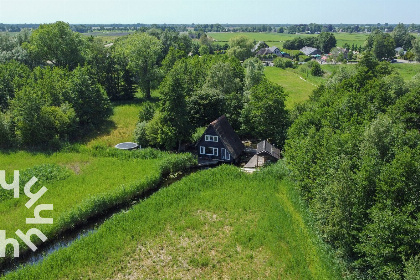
(228, 136)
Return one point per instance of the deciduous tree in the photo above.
(142, 52)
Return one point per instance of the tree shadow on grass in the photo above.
(104, 129)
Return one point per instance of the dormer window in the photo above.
(211, 138)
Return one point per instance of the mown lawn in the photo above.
(297, 87)
(218, 223)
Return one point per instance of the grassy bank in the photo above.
(218, 223)
(81, 185)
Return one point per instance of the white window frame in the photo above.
(217, 152)
(202, 150)
(211, 138)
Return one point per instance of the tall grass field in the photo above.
(219, 223)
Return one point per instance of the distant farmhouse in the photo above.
(271, 50)
(309, 51)
(220, 142)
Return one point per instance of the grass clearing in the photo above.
(407, 70)
(297, 87)
(217, 223)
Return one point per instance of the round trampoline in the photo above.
(127, 146)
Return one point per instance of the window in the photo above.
(209, 151)
(224, 154)
(212, 138)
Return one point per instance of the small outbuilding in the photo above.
(220, 142)
(265, 153)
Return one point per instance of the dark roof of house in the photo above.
(265, 51)
(228, 136)
(310, 51)
(266, 148)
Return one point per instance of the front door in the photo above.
(223, 153)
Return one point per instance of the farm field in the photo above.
(277, 39)
(217, 223)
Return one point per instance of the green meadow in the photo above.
(217, 223)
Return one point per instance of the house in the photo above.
(259, 45)
(399, 51)
(271, 50)
(220, 142)
(265, 153)
(309, 51)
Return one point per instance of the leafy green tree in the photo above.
(228, 80)
(240, 47)
(254, 72)
(402, 37)
(416, 49)
(88, 98)
(56, 43)
(11, 47)
(174, 107)
(264, 115)
(382, 45)
(205, 105)
(204, 50)
(142, 51)
(326, 41)
(159, 132)
(12, 78)
(173, 56)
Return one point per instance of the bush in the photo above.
(283, 63)
(140, 135)
(304, 58)
(6, 133)
(146, 112)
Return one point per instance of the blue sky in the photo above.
(210, 11)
